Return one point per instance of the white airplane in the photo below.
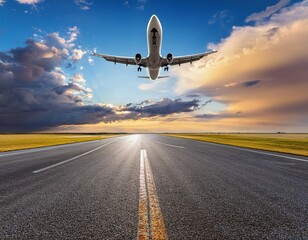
(154, 61)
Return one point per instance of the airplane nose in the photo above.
(154, 18)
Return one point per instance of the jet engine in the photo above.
(169, 58)
(138, 58)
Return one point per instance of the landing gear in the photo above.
(139, 69)
(166, 69)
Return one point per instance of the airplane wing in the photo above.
(122, 60)
(186, 59)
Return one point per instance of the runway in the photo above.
(150, 186)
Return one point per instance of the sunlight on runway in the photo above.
(134, 137)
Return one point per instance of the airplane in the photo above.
(154, 61)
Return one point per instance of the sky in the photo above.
(256, 82)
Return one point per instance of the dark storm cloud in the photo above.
(152, 109)
(142, 103)
(193, 95)
(221, 115)
(272, 32)
(163, 107)
(206, 103)
(33, 91)
(45, 118)
(36, 95)
(250, 83)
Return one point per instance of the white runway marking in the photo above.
(151, 222)
(39, 149)
(71, 159)
(256, 151)
(170, 145)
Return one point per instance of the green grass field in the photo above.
(9, 142)
(284, 143)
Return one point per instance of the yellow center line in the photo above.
(151, 222)
(143, 225)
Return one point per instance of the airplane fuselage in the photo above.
(154, 39)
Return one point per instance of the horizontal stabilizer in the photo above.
(149, 78)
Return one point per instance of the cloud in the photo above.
(83, 4)
(152, 85)
(73, 34)
(36, 94)
(250, 83)
(141, 4)
(2, 2)
(230, 84)
(218, 16)
(90, 60)
(66, 44)
(219, 115)
(267, 12)
(207, 102)
(162, 107)
(194, 95)
(274, 56)
(77, 54)
(55, 40)
(30, 2)
(140, 7)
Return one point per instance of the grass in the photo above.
(284, 143)
(9, 142)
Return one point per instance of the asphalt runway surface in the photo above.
(150, 186)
